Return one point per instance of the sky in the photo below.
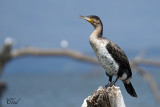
(45, 23)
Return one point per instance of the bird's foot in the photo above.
(110, 84)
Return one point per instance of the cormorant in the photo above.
(110, 55)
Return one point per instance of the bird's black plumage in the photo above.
(94, 16)
(120, 57)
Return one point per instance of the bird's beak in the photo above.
(87, 18)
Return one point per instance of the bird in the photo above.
(110, 56)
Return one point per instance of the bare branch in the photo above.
(146, 62)
(53, 52)
(72, 54)
(150, 81)
(7, 54)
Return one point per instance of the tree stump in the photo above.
(105, 97)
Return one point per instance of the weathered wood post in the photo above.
(105, 97)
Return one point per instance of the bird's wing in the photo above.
(119, 56)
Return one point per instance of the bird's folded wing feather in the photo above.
(119, 56)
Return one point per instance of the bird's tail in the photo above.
(130, 89)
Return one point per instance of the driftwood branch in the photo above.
(72, 54)
(110, 97)
(146, 62)
(53, 52)
(150, 81)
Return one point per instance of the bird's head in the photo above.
(94, 20)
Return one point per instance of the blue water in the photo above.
(65, 88)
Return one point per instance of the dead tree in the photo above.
(105, 97)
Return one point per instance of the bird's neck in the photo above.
(98, 32)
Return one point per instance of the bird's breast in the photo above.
(104, 57)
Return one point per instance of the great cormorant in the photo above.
(110, 55)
